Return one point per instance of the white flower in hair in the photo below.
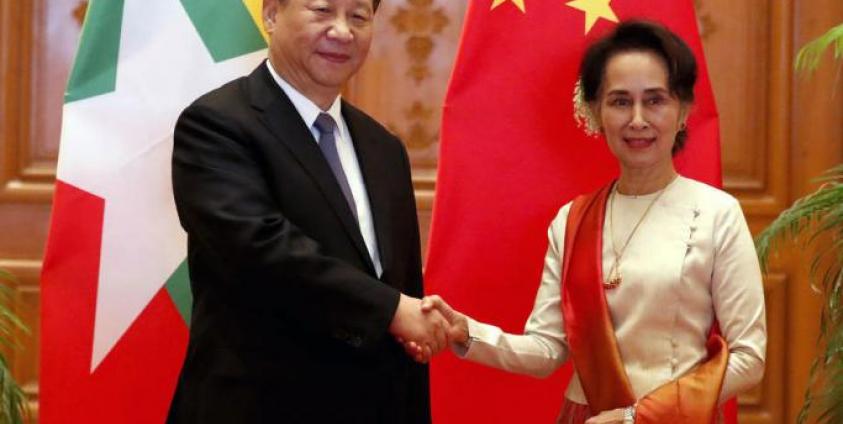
(583, 114)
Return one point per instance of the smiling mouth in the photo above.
(334, 57)
(639, 142)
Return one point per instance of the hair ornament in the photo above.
(583, 114)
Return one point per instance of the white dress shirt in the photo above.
(692, 259)
(309, 111)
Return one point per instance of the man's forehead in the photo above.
(373, 3)
(368, 3)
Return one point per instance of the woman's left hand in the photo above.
(614, 416)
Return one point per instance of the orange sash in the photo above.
(591, 336)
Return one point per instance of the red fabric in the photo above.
(511, 156)
(691, 399)
(573, 413)
(135, 382)
(591, 334)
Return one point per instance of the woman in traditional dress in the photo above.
(638, 274)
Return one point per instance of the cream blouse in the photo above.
(692, 259)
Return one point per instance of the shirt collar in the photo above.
(308, 110)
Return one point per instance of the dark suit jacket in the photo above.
(290, 323)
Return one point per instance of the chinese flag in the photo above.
(511, 156)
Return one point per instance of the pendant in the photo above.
(614, 278)
(613, 282)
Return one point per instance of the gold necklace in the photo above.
(615, 277)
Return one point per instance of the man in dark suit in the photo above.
(303, 241)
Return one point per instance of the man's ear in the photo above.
(270, 9)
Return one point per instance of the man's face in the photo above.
(317, 45)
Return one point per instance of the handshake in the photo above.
(427, 326)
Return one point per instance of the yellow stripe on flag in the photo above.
(255, 7)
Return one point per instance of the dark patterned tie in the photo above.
(328, 144)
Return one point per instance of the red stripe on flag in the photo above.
(135, 382)
(511, 156)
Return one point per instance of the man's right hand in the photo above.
(457, 330)
(427, 330)
(458, 323)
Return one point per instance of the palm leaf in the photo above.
(814, 217)
(13, 408)
(13, 402)
(792, 222)
(809, 56)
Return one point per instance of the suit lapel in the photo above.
(372, 161)
(285, 122)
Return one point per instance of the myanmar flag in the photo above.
(116, 299)
(511, 155)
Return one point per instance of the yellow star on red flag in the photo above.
(518, 3)
(594, 9)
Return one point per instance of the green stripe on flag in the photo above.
(225, 26)
(95, 67)
(179, 288)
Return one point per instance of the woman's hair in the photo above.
(643, 36)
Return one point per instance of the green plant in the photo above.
(819, 216)
(809, 56)
(13, 407)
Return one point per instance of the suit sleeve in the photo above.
(226, 205)
(414, 280)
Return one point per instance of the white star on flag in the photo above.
(118, 146)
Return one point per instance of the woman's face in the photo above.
(637, 112)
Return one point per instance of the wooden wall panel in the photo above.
(748, 49)
(745, 31)
(37, 43)
(34, 73)
(57, 24)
